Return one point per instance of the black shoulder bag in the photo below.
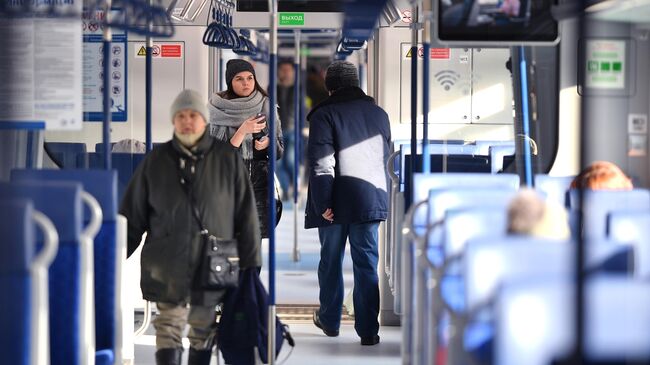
(219, 265)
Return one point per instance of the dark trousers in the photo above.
(363, 247)
(285, 165)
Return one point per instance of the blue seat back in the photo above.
(124, 163)
(490, 261)
(484, 147)
(554, 187)
(535, 320)
(99, 147)
(441, 200)
(66, 152)
(102, 185)
(61, 202)
(423, 183)
(435, 149)
(16, 254)
(464, 224)
(497, 153)
(598, 204)
(634, 228)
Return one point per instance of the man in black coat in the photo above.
(157, 201)
(349, 137)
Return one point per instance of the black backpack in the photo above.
(244, 325)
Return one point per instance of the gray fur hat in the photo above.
(189, 99)
(341, 74)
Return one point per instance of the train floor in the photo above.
(297, 298)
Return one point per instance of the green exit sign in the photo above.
(292, 18)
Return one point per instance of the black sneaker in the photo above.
(370, 341)
(330, 333)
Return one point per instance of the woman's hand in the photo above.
(252, 125)
(249, 126)
(262, 143)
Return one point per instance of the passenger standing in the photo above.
(157, 201)
(233, 118)
(286, 101)
(349, 137)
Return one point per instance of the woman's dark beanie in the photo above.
(341, 74)
(235, 66)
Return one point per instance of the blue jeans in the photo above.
(285, 166)
(363, 247)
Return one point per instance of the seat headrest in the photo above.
(17, 232)
(60, 201)
(101, 184)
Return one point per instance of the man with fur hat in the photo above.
(349, 138)
(191, 169)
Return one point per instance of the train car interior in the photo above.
(517, 228)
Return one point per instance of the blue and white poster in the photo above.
(93, 69)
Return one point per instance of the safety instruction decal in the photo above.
(93, 69)
(434, 53)
(166, 50)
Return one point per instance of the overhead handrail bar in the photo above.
(196, 12)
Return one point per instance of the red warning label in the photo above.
(173, 50)
(440, 53)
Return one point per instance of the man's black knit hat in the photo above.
(341, 74)
(235, 66)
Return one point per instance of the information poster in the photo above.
(40, 67)
(93, 69)
(605, 68)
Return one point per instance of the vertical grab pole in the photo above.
(296, 144)
(273, 65)
(408, 348)
(426, 60)
(222, 82)
(525, 118)
(414, 95)
(148, 85)
(106, 130)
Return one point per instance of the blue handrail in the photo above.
(414, 108)
(106, 126)
(524, 117)
(148, 93)
(296, 125)
(425, 107)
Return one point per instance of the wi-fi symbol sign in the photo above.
(447, 78)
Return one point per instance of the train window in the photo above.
(321, 6)
(481, 22)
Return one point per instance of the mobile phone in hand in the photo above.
(259, 136)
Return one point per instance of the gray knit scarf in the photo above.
(226, 115)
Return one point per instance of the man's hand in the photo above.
(328, 215)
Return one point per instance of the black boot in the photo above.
(199, 357)
(169, 356)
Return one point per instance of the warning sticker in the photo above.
(434, 53)
(172, 50)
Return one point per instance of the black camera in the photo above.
(264, 132)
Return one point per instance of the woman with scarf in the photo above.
(235, 118)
